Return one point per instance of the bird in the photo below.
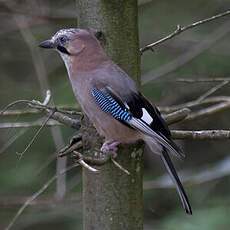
(111, 99)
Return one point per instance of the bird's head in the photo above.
(72, 43)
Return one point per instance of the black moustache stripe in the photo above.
(63, 50)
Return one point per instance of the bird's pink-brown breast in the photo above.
(109, 128)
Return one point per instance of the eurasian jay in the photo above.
(111, 100)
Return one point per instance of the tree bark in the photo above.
(113, 200)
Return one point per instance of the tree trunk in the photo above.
(113, 200)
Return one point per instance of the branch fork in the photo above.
(85, 161)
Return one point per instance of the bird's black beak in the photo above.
(48, 44)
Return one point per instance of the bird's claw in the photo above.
(110, 147)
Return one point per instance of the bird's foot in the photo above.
(110, 147)
(75, 144)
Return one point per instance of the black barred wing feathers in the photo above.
(135, 111)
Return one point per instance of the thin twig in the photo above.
(120, 167)
(211, 172)
(45, 201)
(56, 114)
(201, 80)
(35, 195)
(203, 112)
(211, 110)
(221, 31)
(35, 136)
(28, 102)
(29, 124)
(20, 112)
(194, 103)
(212, 90)
(83, 159)
(47, 98)
(180, 30)
(30, 199)
(70, 110)
(83, 163)
(13, 104)
(41, 74)
(69, 149)
(45, 101)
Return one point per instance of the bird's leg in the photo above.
(110, 146)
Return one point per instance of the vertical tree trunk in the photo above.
(112, 200)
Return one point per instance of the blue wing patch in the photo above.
(109, 105)
(112, 105)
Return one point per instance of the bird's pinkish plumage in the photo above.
(110, 99)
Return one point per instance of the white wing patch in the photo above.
(126, 105)
(146, 117)
(141, 126)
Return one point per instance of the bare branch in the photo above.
(191, 104)
(46, 100)
(13, 104)
(99, 160)
(103, 159)
(47, 201)
(120, 167)
(177, 116)
(180, 30)
(204, 112)
(82, 159)
(201, 135)
(70, 110)
(19, 112)
(66, 120)
(212, 172)
(179, 61)
(82, 162)
(56, 114)
(201, 80)
(70, 148)
(41, 74)
(29, 124)
(217, 108)
(213, 90)
(171, 118)
(85, 165)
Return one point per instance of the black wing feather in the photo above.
(136, 102)
(133, 104)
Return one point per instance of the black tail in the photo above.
(173, 174)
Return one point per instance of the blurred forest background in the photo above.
(27, 71)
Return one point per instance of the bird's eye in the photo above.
(63, 39)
